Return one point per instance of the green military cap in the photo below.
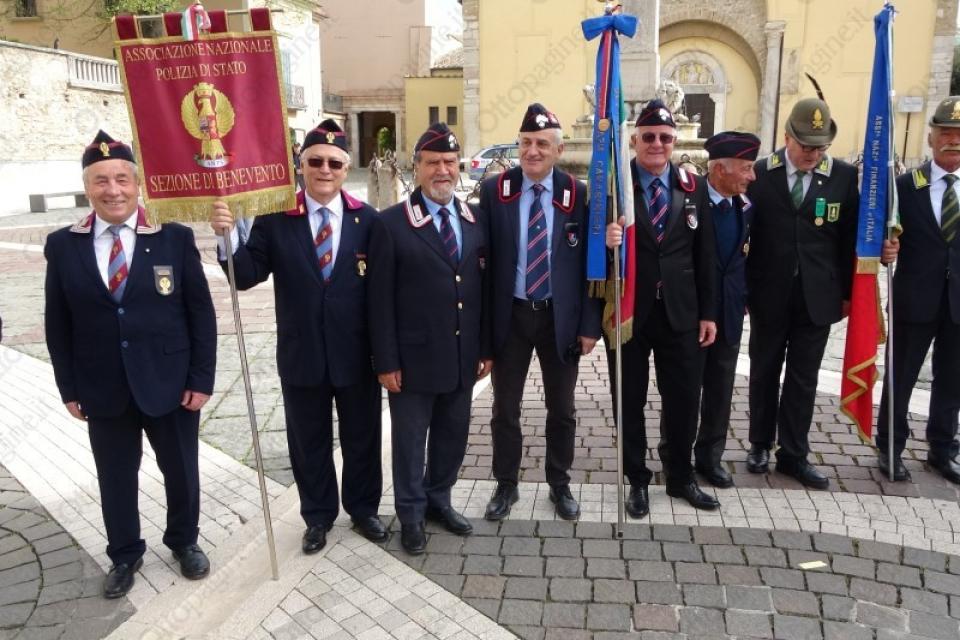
(947, 113)
(810, 123)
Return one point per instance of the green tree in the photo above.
(385, 141)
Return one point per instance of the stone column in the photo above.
(354, 134)
(398, 136)
(771, 87)
(640, 55)
(471, 77)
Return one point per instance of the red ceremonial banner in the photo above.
(209, 122)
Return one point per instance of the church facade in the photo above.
(742, 64)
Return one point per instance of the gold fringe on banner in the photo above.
(597, 289)
(242, 205)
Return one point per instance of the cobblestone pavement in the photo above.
(836, 449)
(49, 586)
(553, 580)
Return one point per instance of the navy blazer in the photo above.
(732, 278)
(427, 317)
(575, 313)
(926, 263)
(785, 239)
(321, 327)
(684, 263)
(150, 346)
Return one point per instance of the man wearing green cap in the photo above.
(799, 278)
(926, 300)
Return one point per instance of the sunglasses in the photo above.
(665, 138)
(809, 149)
(317, 163)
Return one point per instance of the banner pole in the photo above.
(889, 370)
(891, 199)
(251, 413)
(618, 375)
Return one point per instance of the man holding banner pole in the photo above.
(926, 301)
(317, 254)
(673, 314)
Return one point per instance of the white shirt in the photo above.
(103, 243)
(938, 186)
(792, 176)
(314, 217)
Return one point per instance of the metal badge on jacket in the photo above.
(163, 279)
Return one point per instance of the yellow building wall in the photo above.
(532, 51)
(834, 42)
(73, 25)
(743, 98)
(422, 93)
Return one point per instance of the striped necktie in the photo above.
(448, 236)
(949, 209)
(796, 191)
(538, 268)
(323, 244)
(658, 208)
(117, 267)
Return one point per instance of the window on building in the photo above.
(434, 115)
(451, 115)
(26, 8)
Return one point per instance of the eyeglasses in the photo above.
(665, 138)
(809, 149)
(317, 163)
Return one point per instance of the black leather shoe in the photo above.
(949, 468)
(502, 499)
(716, 475)
(692, 494)
(193, 561)
(412, 538)
(371, 528)
(314, 538)
(120, 579)
(567, 507)
(758, 459)
(453, 521)
(638, 502)
(804, 472)
(900, 472)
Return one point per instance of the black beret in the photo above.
(327, 132)
(538, 118)
(104, 147)
(438, 137)
(732, 144)
(654, 114)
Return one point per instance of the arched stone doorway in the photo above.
(704, 83)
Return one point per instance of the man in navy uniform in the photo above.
(537, 218)
(132, 335)
(674, 312)
(317, 254)
(429, 333)
(730, 172)
(799, 280)
(926, 300)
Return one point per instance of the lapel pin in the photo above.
(356, 219)
(147, 250)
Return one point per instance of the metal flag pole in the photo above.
(618, 376)
(891, 201)
(251, 413)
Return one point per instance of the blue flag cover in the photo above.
(607, 126)
(877, 187)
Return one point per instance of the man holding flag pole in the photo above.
(925, 302)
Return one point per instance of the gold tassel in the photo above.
(242, 205)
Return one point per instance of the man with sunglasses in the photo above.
(317, 254)
(430, 334)
(674, 311)
(537, 217)
(799, 277)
